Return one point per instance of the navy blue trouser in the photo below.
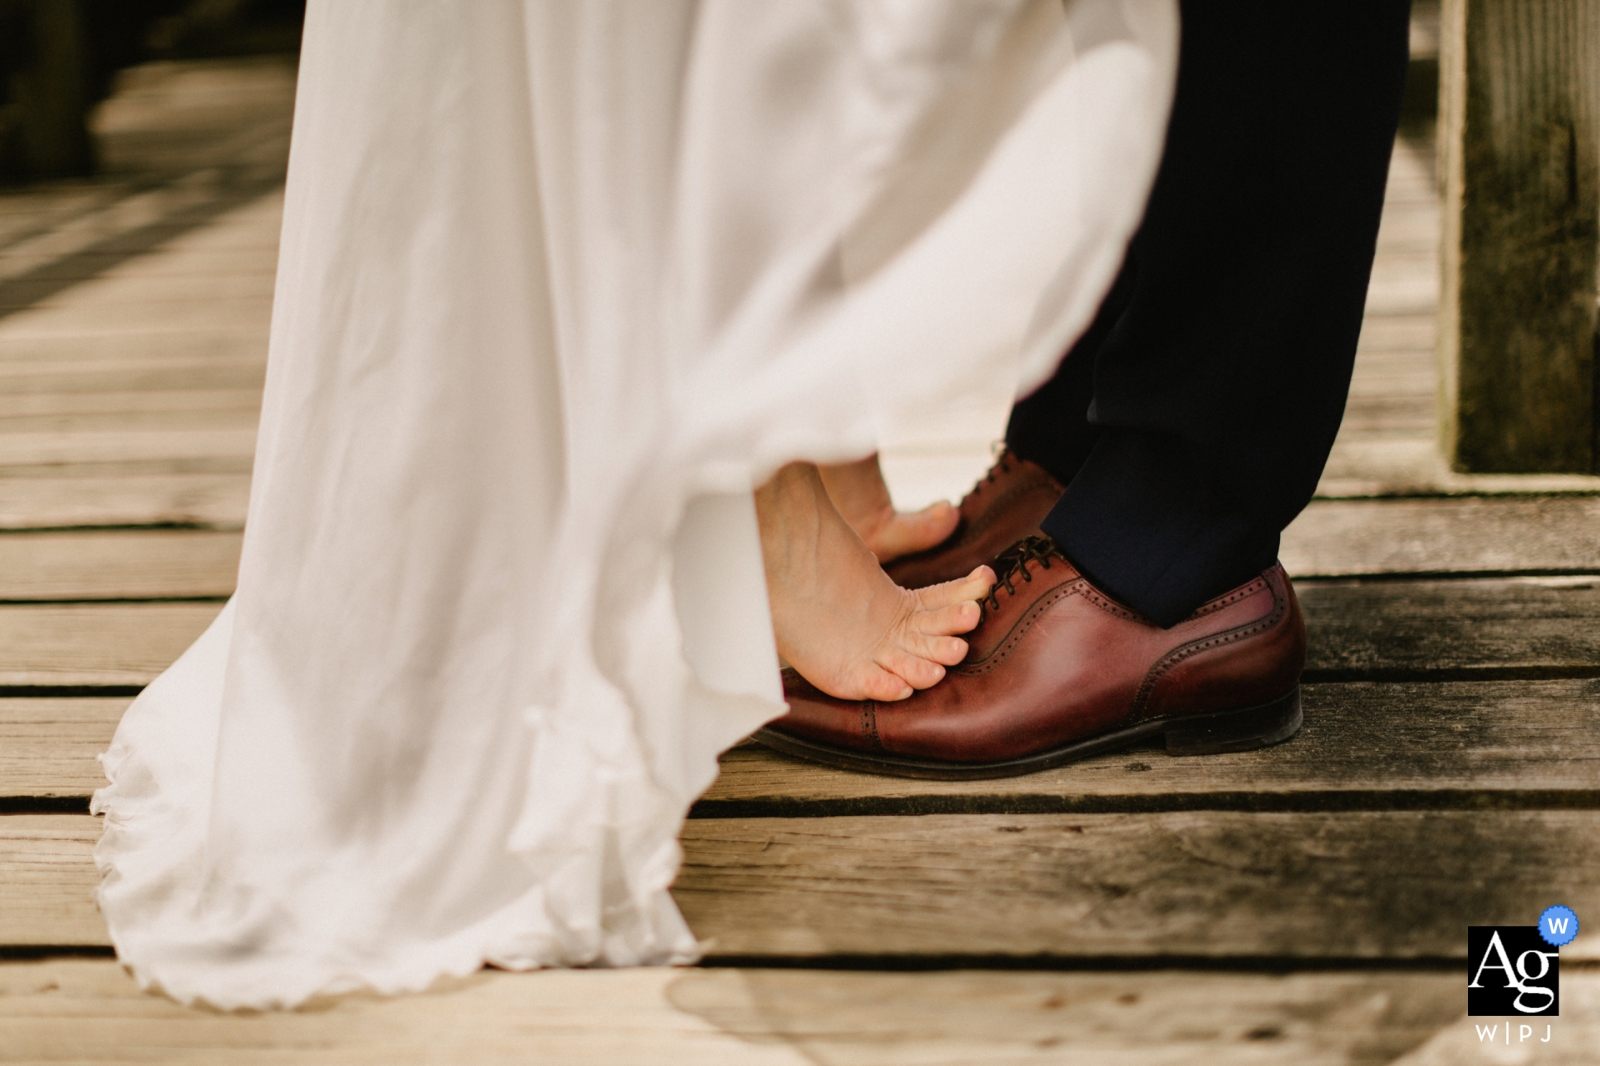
(1193, 419)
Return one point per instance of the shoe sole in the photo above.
(1202, 734)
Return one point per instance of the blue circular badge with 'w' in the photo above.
(1558, 925)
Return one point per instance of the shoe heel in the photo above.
(1240, 730)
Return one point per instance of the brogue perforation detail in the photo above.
(1249, 588)
(869, 723)
(1280, 607)
(1111, 606)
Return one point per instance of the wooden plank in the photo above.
(1385, 333)
(67, 316)
(1415, 467)
(152, 291)
(1202, 884)
(119, 565)
(180, 419)
(126, 446)
(17, 408)
(164, 262)
(1520, 131)
(132, 347)
(1523, 627)
(1213, 884)
(48, 879)
(48, 747)
(1501, 743)
(1424, 630)
(1392, 630)
(91, 1011)
(101, 644)
(129, 376)
(213, 500)
(1334, 538)
(1389, 745)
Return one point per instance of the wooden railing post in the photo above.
(1519, 125)
(46, 135)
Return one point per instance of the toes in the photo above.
(940, 649)
(864, 681)
(911, 668)
(960, 617)
(904, 534)
(975, 586)
(933, 523)
(886, 686)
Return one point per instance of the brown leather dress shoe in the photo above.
(1057, 671)
(1006, 505)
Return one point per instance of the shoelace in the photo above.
(1002, 465)
(1014, 561)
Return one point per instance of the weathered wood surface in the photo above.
(89, 1012)
(1474, 744)
(244, 416)
(1217, 884)
(1527, 627)
(1520, 129)
(157, 375)
(47, 880)
(1213, 884)
(1331, 539)
(118, 564)
(48, 747)
(1547, 534)
(95, 644)
(124, 497)
(1391, 745)
(153, 450)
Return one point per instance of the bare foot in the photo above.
(837, 617)
(858, 491)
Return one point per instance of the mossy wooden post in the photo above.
(1519, 124)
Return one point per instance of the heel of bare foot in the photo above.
(837, 617)
(861, 497)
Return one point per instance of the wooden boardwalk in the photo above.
(1306, 903)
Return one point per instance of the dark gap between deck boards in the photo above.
(1000, 803)
(44, 805)
(67, 691)
(1092, 963)
(1402, 576)
(1395, 675)
(1242, 801)
(107, 601)
(123, 527)
(39, 952)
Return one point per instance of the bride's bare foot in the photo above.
(837, 617)
(862, 498)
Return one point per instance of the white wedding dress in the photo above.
(559, 283)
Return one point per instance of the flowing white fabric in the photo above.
(559, 283)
